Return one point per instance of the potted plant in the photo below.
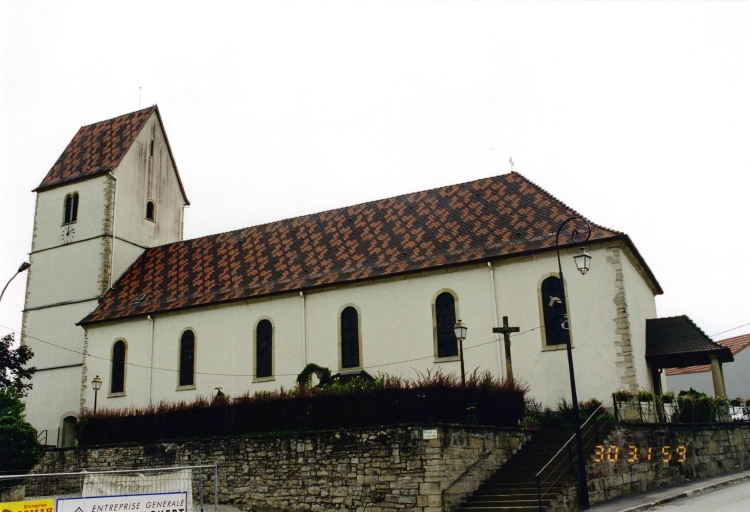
(646, 401)
(625, 405)
(669, 403)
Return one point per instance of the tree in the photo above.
(19, 448)
(11, 404)
(13, 370)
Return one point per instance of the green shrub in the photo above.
(696, 407)
(19, 449)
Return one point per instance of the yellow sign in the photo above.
(29, 506)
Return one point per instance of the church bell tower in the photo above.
(114, 192)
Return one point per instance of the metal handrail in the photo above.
(572, 456)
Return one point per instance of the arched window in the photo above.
(117, 382)
(71, 208)
(554, 312)
(350, 338)
(187, 359)
(150, 210)
(264, 349)
(445, 320)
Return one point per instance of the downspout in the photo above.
(151, 361)
(494, 315)
(182, 222)
(304, 329)
(112, 251)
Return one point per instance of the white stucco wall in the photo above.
(48, 219)
(396, 321)
(140, 179)
(641, 307)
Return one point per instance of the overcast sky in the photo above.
(636, 114)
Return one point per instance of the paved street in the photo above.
(733, 498)
(718, 494)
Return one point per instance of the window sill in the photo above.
(447, 359)
(186, 388)
(264, 379)
(555, 348)
(115, 395)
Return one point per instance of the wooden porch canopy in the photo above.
(676, 342)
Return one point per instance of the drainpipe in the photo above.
(494, 315)
(151, 361)
(112, 252)
(182, 221)
(304, 339)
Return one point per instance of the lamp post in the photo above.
(582, 260)
(460, 331)
(96, 383)
(24, 266)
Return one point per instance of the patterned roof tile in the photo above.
(96, 149)
(99, 148)
(459, 224)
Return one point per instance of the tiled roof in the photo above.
(677, 342)
(459, 224)
(736, 345)
(99, 148)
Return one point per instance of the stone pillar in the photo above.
(717, 373)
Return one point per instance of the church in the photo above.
(116, 296)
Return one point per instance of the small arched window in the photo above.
(554, 312)
(71, 208)
(264, 349)
(445, 318)
(350, 338)
(151, 210)
(187, 359)
(117, 382)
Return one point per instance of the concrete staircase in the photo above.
(513, 488)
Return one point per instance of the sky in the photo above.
(635, 114)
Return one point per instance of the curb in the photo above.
(686, 494)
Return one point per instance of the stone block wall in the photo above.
(638, 458)
(379, 470)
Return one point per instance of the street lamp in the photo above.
(96, 383)
(460, 330)
(582, 260)
(24, 266)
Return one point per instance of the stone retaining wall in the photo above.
(385, 470)
(638, 458)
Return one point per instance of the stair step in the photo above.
(513, 488)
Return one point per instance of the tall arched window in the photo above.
(117, 382)
(187, 359)
(350, 338)
(445, 319)
(264, 349)
(71, 208)
(150, 210)
(554, 312)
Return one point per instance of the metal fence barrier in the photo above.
(197, 481)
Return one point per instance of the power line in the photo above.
(250, 375)
(732, 329)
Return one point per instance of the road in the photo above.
(733, 498)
